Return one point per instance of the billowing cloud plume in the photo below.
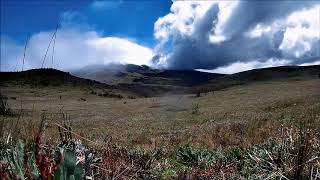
(210, 35)
(223, 36)
(74, 48)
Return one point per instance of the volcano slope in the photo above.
(240, 109)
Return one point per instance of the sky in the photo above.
(214, 36)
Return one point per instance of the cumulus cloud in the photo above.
(244, 66)
(74, 49)
(213, 34)
(222, 36)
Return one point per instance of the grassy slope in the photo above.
(265, 74)
(134, 74)
(55, 79)
(168, 120)
(237, 116)
(46, 77)
(145, 81)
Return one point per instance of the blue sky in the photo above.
(131, 19)
(218, 36)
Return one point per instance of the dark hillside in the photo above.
(135, 74)
(266, 74)
(146, 82)
(46, 77)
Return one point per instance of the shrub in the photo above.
(4, 106)
(83, 99)
(39, 160)
(195, 108)
(191, 157)
(69, 168)
(292, 154)
(131, 97)
(31, 161)
(93, 92)
(111, 95)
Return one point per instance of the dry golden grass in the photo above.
(241, 115)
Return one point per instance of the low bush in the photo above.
(292, 153)
(195, 108)
(4, 106)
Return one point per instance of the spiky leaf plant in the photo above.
(69, 169)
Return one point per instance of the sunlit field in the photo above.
(237, 119)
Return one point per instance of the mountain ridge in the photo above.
(147, 82)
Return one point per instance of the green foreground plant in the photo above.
(293, 153)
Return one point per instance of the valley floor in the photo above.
(240, 115)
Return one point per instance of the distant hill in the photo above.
(264, 74)
(112, 73)
(146, 82)
(46, 77)
(135, 74)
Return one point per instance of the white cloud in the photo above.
(182, 19)
(244, 66)
(312, 63)
(225, 11)
(117, 50)
(74, 49)
(258, 31)
(247, 34)
(228, 36)
(302, 32)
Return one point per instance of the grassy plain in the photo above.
(250, 130)
(241, 115)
